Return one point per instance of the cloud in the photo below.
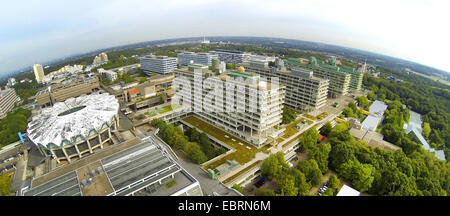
(41, 31)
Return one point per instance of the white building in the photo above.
(158, 64)
(231, 56)
(187, 58)
(348, 191)
(255, 126)
(8, 98)
(109, 74)
(11, 82)
(38, 72)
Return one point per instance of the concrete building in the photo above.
(137, 96)
(100, 58)
(10, 155)
(11, 82)
(38, 72)
(8, 98)
(158, 64)
(187, 58)
(303, 91)
(108, 74)
(339, 80)
(143, 169)
(376, 115)
(231, 56)
(255, 126)
(66, 89)
(348, 191)
(414, 127)
(76, 127)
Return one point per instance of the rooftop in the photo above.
(122, 173)
(348, 191)
(75, 116)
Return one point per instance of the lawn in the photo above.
(242, 153)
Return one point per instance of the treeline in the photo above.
(13, 123)
(382, 172)
(431, 102)
(25, 90)
(194, 144)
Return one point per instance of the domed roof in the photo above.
(75, 116)
(241, 69)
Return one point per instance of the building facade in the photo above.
(76, 127)
(8, 98)
(231, 56)
(158, 64)
(256, 125)
(38, 72)
(339, 81)
(185, 59)
(67, 89)
(303, 91)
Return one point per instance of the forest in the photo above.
(432, 102)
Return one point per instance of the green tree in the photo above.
(326, 129)
(371, 96)
(348, 112)
(5, 182)
(300, 181)
(309, 139)
(311, 170)
(194, 152)
(361, 175)
(264, 192)
(274, 166)
(238, 188)
(286, 185)
(320, 154)
(426, 130)
(362, 101)
(288, 115)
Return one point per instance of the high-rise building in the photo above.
(100, 58)
(8, 98)
(237, 117)
(158, 64)
(303, 91)
(231, 56)
(187, 58)
(339, 80)
(38, 72)
(11, 82)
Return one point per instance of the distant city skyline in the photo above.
(38, 32)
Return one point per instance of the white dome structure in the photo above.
(75, 126)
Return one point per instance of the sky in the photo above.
(38, 31)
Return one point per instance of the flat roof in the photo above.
(348, 191)
(122, 173)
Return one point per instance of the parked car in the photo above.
(261, 182)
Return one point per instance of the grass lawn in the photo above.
(171, 184)
(242, 153)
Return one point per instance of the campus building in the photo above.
(187, 58)
(38, 72)
(303, 90)
(136, 96)
(100, 58)
(231, 56)
(76, 127)
(141, 168)
(261, 102)
(8, 98)
(339, 79)
(67, 89)
(158, 64)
